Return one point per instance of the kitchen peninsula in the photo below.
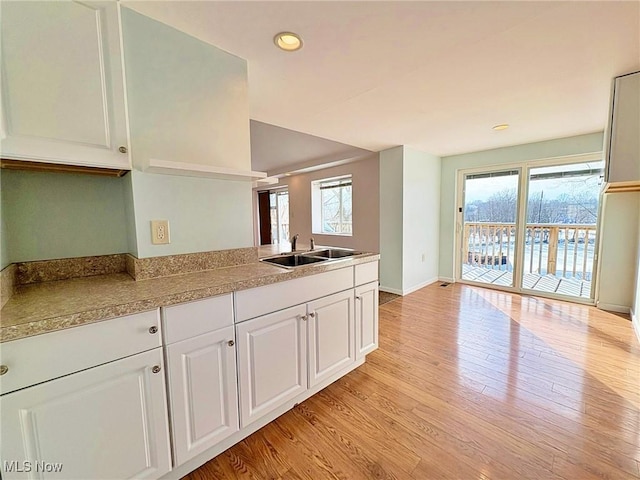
(206, 356)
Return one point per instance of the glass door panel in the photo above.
(279, 208)
(490, 209)
(560, 231)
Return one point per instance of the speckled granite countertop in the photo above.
(49, 306)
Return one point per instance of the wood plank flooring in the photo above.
(468, 383)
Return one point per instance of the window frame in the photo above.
(318, 214)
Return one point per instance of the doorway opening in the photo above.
(273, 211)
(532, 227)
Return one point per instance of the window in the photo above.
(331, 206)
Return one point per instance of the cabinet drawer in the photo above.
(191, 319)
(366, 272)
(271, 298)
(44, 357)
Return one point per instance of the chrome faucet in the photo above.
(294, 240)
(312, 244)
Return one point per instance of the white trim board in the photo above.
(390, 290)
(407, 291)
(419, 286)
(635, 322)
(611, 307)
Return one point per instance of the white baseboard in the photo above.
(419, 286)
(612, 307)
(390, 290)
(635, 321)
(447, 279)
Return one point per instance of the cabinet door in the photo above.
(63, 90)
(331, 335)
(102, 423)
(272, 361)
(202, 392)
(366, 319)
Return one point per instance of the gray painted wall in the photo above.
(366, 210)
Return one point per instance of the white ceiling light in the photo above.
(502, 126)
(288, 41)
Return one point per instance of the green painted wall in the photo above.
(4, 244)
(391, 219)
(204, 214)
(532, 151)
(188, 101)
(54, 215)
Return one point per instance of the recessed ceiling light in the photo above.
(288, 41)
(502, 126)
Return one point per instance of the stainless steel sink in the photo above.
(332, 253)
(293, 260)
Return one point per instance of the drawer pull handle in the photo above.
(312, 314)
(156, 369)
(153, 330)
(231, 343)
(3, 369)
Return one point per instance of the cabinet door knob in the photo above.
(156, 369)
(312, 314)
(304, 317)
(123, 149)
(3, 369)
(153, 330)
(231, 343)
(358, 298)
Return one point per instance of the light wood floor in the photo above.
(467, 383)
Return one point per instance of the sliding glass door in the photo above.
(531, 228)
(560, 233)
(489, 227)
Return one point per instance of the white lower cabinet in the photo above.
(366, 297)
(331, 335)
(272, 361)
(106, 422)
(202, 392)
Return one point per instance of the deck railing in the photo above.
(562, 250)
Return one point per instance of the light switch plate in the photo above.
(160, 232)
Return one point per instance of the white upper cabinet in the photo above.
(623, 152)
(63, 97)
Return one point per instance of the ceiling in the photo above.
(435, 76)
(278, 150)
